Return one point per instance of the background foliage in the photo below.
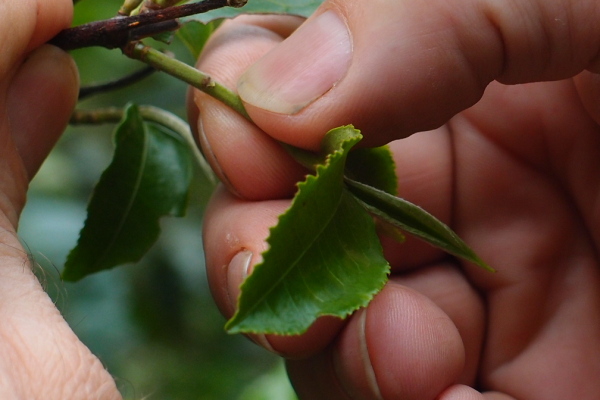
(152, 324)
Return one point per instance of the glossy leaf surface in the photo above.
(324, 257)
(148, 178)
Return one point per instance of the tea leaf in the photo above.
(148, 178)
(324, 257)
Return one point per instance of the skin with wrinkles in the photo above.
(493, 114)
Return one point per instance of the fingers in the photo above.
(588, 86)
(50, 17)
(234, 233)
(249, 162)
(393, 68)
(41, 356)
(39, 92)
(445, 285)
(234, 238)
(40, 100)
(398, 318)
(418, 337)
(461, 392)
(401, 347)
(28, 24)
(40, 96)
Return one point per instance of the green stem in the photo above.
(151, 114)
(188, 74)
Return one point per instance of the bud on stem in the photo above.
(117, 32)
(187, 74)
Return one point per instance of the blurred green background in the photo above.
(152, 324)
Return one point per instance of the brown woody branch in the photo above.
(118, 31)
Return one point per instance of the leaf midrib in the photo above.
(262, 298)
(133, 197)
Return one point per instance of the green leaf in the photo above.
(194, 35)
(324, 255)
(148, 178)
(374, 167)
(302, 8)
(414, 220)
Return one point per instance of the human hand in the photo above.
(513, 167)
(40, 356)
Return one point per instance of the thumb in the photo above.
(395, 67)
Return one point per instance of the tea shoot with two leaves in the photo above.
(324, 255)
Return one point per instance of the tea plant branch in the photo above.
(151, 114)
(118, 31)
(186, 73)
(90, 90)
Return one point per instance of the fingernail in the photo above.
(358, 383)
(300, 69)
(237, 272)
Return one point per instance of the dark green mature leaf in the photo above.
(414, 220)
(324, 257)
(148, 178)
(303, 8)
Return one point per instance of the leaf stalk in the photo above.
(151, 114)
(186, 73)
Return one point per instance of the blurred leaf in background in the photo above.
(153, 324)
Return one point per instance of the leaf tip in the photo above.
(486, 266)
